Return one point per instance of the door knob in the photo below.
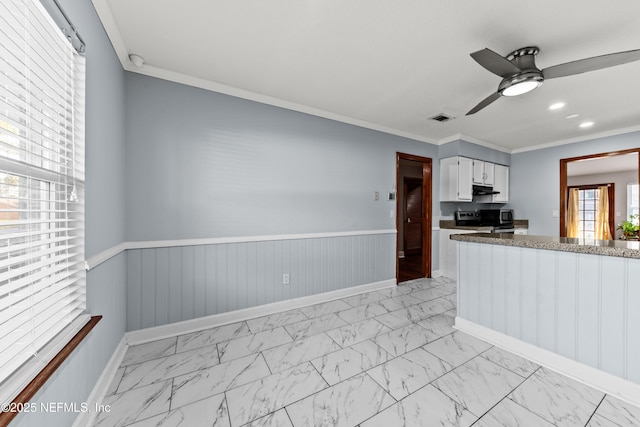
(408, 219)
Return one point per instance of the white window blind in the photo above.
(42, 275)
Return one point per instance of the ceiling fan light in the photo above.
(520, 88)
(520, 83)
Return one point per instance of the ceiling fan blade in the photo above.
(591, 64)
(485, 102)
(495, 63)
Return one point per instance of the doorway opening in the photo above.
(413, 219)
(590, 171)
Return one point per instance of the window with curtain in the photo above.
(590, 211)
(42, 274)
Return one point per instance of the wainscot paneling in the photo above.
(580, 306)
(171, 284)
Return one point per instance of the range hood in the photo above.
(483, 190)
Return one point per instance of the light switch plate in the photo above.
(555, 214)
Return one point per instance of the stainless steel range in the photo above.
(500, 220)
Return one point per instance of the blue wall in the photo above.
(204, 164)
(535, 178)
(200, 164)
(104, 216)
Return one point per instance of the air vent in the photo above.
(441, 118)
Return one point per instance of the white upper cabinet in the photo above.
(501, 184)
(456, 174)
(483, 172)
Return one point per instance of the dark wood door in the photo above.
(413, 216)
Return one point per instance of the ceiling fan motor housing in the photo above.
(524, 59)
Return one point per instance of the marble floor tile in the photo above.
(289, 355)
(275, 320)
(211, 336)
(416, 284)
(149, 351)
(115, 382)
(275, 419)
(439, 325)
(259, 398)
(395, 291)
(249, 344)
(619, 412)
(208, 382)
(348, 403)
(509, 413)
(457, 348)
(363, 299)
(556, 398)
(409, 372)
(396, 303)
(512, 362)
(348, 362)
(362, 312)
(204, 413)
(134, 405)
(426, 407)
(600, 421)
(400, 341)
(430, 293)
(314, 326)
(398, 318)
(357, 332)
(324, 308)
(432, 307)
(168, 367)
(478, 384)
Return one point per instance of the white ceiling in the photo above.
(389, 65)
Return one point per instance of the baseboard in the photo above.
(102, 385)
(436, 273)
(608, 383)
(179, 328)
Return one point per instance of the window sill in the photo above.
(21, 400)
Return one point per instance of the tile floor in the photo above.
(384, 358)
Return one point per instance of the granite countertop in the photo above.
(617, 248)
(451, 225)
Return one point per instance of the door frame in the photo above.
(427, 201)
(564, 190)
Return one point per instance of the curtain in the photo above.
(573, 213)
(602, 231)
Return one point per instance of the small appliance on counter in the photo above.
(500, 220)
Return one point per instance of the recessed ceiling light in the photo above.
(572, 116)
(557, 106)
(586, 124)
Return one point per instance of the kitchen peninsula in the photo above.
(570, 304)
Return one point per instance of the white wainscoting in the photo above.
(176, 283)
(583, 307)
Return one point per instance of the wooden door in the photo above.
(413, 216)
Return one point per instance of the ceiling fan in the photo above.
(520, 74)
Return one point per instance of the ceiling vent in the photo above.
(441, 118)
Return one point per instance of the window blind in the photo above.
(42, 275)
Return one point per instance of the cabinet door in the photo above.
(501, 184)
(465, 175)
(478, 172)
(489, 169)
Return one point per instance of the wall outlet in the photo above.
(285, 279)
(376, 195)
